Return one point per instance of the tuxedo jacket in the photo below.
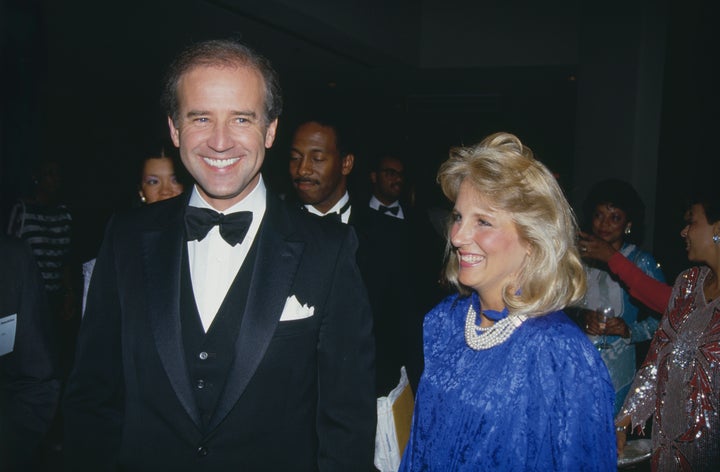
(401, 261)
(29, 374)
(300, 393)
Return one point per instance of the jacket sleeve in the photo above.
(346, 391)
(93, 401)
(29, 374)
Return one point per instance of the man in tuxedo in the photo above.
(321, 160)
(29, 371)
(388, 179)
(224, 330)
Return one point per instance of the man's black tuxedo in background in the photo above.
(29, 375)
(385, 260)
(400, 260)
(299, 395)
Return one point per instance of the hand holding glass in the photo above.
(604, 314)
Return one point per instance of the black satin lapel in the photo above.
(162, 259)
(275, 268)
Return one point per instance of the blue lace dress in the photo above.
(541, 400)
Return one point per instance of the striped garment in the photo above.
(47, 229)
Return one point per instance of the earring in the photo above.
(627, 230)
(143, 199)
(716, 239)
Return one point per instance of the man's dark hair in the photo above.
(343, 136)
(222, 53)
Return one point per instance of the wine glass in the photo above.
(604, 314)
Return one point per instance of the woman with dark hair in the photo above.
(679, 381)
(510, 382)
(615, 214)
(159, 180)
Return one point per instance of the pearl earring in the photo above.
(627, 230)
(716, 239)
(143, 199)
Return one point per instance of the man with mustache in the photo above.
(319, 166)
(321, 159)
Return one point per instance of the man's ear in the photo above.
(347, 164)
(270, 133)
(373, 177)
(174, 132)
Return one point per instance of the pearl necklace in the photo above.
(492, 335)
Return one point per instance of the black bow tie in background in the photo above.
(233, 227)
(394, 210)
(334, 216)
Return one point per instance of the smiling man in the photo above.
(224, 330)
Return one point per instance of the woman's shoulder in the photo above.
(687, 279)
(557, 331)
(449, 303)
(643, 260)
(552, 323)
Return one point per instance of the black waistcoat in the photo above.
(210, 356)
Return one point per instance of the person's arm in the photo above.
(578, 397)
(639, 404)
(346, 377)
(651, 292)
(94, 396)
(29, 375)
(15, 222)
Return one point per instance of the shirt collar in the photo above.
(335, 209)
(375, 203)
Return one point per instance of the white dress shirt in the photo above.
(345, 217)
(213, 262)
(375, 205)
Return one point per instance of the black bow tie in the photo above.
(233, 227)
(334, 216)
(394, 210)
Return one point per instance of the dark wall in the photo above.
(86, 81)
(688, 155)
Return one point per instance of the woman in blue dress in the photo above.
(615, 212)
(510, 383)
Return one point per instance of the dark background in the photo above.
(623, 89)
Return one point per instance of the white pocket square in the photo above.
(294, 311)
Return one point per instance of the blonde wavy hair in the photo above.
(505, 172)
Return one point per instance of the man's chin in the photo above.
(305, 198)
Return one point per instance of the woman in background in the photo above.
(158, 181)
(510, 382)
(615, 213)
(679, 381)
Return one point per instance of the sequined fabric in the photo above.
(679, 382)
(542, 400)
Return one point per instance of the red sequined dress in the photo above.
(679, 381)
